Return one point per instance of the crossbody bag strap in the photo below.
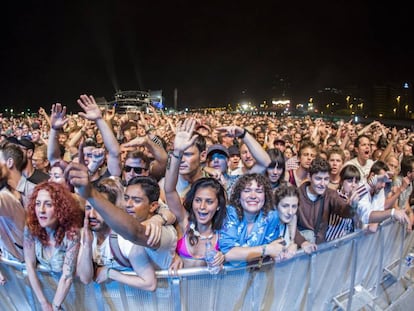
(116, 251)
(319, 219)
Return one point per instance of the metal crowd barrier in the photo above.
(346, 274)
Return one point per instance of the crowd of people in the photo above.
(92, 194)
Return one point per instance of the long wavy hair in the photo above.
(68, 213)
(218, 218)
(244, 181)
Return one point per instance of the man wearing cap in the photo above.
(217, 164)
(280, 144)
(203, 130)
(235, 167)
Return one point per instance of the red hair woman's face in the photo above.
(45, 210)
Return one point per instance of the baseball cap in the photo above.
(217, 148)
(204, 126)
(24, 142)
(233, 150)
(279, 141)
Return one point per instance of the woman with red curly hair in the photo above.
(51, 238)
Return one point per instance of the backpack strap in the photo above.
(116, 251)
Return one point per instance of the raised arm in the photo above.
(261, 156)
(42, 112)
(58, 119)
(92, 112)
(122, 223)
(184, 138)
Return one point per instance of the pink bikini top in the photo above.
(182, 249)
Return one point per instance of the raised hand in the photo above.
(110, 114)
(184, 137)
(90, 108)
(58, 116)
(152, 231)
(234, 131)
(77, 175)
(42, 111)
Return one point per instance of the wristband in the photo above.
(107, 273)
(163, 218)
(264, 250)
(179, 156)
(392, 213)
(243, 134)
(260, 263)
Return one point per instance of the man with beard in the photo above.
(31, 173)
(13, 157)
(12, 213)
(317, 203)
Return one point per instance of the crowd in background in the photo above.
(93, 193)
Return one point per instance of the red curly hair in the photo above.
(68, 212)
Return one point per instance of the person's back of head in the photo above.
(407, 165)
(14, 152)
(200, 143)
(112, 186)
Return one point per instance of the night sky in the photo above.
(54, 51)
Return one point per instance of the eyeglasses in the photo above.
(137, 170)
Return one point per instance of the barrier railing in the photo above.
(345, 273)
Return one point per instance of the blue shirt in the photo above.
(234, 233)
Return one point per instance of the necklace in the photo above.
(199, 235)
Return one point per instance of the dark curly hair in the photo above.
(218, 218)
(244, 181)
(68, 212)
(319, 165)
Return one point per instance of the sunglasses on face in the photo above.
(137, 170)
